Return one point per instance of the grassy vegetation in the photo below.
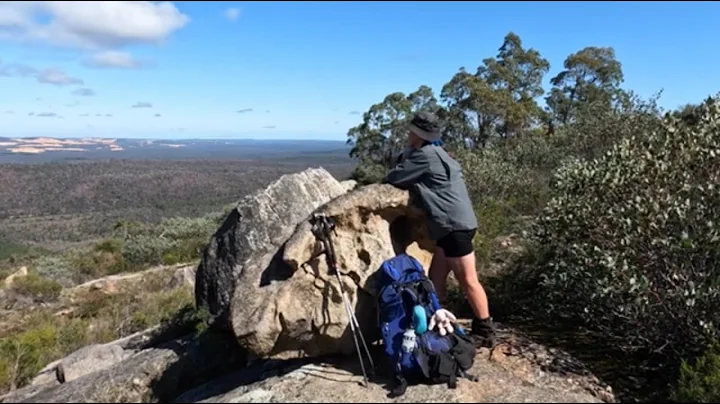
(45, 337)
(134, 247)
(41, 336)
(28, 344)
(64, 205)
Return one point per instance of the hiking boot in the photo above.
(483, 332)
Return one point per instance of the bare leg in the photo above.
(464, 270)
(438, 273)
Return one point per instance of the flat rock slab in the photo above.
(517, 370)
(332, 383)
(150, 375)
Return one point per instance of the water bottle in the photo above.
(408, 341)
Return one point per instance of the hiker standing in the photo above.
(436, 178)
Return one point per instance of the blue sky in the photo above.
(305, 69)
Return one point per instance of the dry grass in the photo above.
(44, 337)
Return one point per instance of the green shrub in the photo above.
(9, 249)
(170, 258)
(700, 382)
(146, 250)
(631, 241)
(55, 268)
(598, 127)
(37, 287)
(174, 240)
(14, 256)
(113, 246)
(490, 176)
(100, 260)
(494, 219)
(186, 228)
(24, 354)
(164, 307)
(368, 172)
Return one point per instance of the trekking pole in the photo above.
(327, 228)
(321, 228)
(350, 312)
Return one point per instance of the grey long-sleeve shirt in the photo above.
(436, 178)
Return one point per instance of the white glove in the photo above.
(443, 319)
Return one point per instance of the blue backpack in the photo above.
(403, 287)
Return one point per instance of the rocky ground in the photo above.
(209, 368)
(278, 331)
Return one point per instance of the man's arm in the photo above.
(407, 173)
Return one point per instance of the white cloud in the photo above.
(89, 25)
(232, 14)
(56, 77)
(47, 76)
(113, 59)
(84, 92)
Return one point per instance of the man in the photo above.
(436, 179)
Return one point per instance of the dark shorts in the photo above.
(457, 243)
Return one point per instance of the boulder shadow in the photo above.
(200, 358)
(277, 269)
(212, 365)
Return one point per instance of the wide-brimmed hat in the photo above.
(426, 125)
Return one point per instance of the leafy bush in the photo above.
(55, 268)
(13, 256)
(700, 382)
(630, 239)
(186, 228)
(113, 246)
(37, 287)
(143, 249)
(96, 262)
(24, 354)
(367, 172)
(174, 240)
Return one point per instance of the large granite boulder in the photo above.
(261, 222)
(285, 302)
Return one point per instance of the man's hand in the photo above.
(403, 155)
(413, 166)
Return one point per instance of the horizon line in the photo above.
(178, 138)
